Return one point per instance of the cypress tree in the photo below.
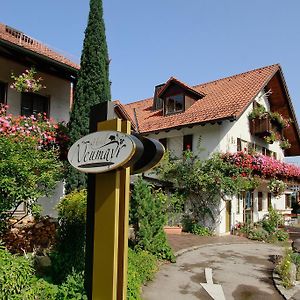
(93, 85)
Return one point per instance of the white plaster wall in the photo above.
(58, 89)
(49, 203)
(205, 140)
(230, 131)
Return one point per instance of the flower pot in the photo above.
(173, 229)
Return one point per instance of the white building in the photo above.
(19, 52)
(213, 117)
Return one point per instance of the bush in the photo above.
(281, 235)
(70, 249)
(257, 234)
(148, 219)
(27, 173)
(272, 221)
(200, 230)
(39, 289)
(73, 287)
(141, 268)
(16, 273)
(284, 268)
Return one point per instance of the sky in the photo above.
(194, 40)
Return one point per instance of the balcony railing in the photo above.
(261, 127)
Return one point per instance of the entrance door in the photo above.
(228, 216)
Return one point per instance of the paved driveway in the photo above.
(243, 270)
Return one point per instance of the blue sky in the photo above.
(194, 40)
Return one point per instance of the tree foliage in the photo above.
(70, 249)
(27, 173)
(147, 214)
(93, 84)
(204, 183)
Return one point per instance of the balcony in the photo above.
(262, 127)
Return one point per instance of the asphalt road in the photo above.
(243, 270)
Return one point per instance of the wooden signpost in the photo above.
(110, 154)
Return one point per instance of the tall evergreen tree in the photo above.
(93, 85)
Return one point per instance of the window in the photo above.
(243, 145)
(2, 92)
(32, 104)
(164, 142)
(259, 200)
(188, 142)
(174, 104)
(249, 200)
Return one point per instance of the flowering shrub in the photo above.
(277, 187)
(262, 165)
(26, 82)
(41, 130)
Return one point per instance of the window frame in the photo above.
(174, 111)
(4, 85)
(32, 98)
(187, 141)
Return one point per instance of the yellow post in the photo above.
(111, 227)
(123, 225)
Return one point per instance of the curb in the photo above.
(285, 293)
(277, 281)
(183, 251)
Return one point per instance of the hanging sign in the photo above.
(101, 151)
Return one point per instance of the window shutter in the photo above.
(239, 144)
(288, 201)
(259, 199)
(188, 142)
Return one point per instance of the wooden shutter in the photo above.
(188, 142)
(238, 144)
(288, 201)
(259, 200)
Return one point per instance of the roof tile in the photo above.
(224, 98)
(18, 38)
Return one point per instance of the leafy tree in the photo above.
(147, 214)
(204, 183)
(70, 249)
(93, 84)
(27, 173)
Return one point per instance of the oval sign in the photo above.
(101, 151)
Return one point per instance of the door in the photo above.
(228, 216)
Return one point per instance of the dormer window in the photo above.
(174, 104)
(175, 96)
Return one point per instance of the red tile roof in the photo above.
(184, 85)
(20, 39)
(224, 99)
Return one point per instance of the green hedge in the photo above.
(141, 267)
(15, 274)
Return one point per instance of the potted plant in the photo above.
(285, 144)
(174, 208)
(270, 139)
(276, 187)
(258, 112)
